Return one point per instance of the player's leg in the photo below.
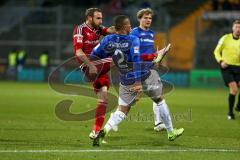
(238, 104)
(158, 123)
(100, 112)
(101, 85)
(233, 90)
(126, 99)
(116, 118)
(165, 115)
(228, 78)
(237, 79)
(152, 86)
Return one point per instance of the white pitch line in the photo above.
(120, 150)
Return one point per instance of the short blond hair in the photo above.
(144, 11)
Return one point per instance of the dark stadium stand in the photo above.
(179, 9)
(207, 42)
(48, 26)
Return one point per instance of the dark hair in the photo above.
(144, 11)
(90, 11)
(236, 22)
(120, 21)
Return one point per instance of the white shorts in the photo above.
(152, 87)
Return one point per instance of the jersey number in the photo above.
(120, 59)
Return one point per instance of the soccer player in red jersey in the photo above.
(85, 37)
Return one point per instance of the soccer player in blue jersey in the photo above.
(134, 77)
(147, 52)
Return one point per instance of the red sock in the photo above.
(99, 116)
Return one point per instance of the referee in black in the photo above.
(227, 54)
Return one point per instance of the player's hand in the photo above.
(136, 87)
(161, 53)
(92, 69)
(157, 65)
(223, 65)
(111, 30)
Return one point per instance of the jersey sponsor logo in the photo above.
(92, 42)
(144, 34)
(112, 46)
(146, 40)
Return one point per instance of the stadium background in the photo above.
(193, 27)
(27, 104)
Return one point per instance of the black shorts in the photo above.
(231, 74)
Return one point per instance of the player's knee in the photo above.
(105, 95)
(233, 90)
(102, 95)
(157, 99)
(124, 109)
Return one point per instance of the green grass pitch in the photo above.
(29, 128)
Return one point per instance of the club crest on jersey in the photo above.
(79, 38)
(136, 49)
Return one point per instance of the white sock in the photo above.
(164, 114)
(115, 118)
(156, 112)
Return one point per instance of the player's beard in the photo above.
(96, 26)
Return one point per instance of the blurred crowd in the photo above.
(225, 5)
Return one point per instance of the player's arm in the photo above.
(161, 53)
(148, 57)
(218, 52)
(82, 56)
(79, 54)
(104, 30)
(144, 56)
(157, 56)
(98, 52)
(136, 60)
(111, 30)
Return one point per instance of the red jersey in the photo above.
(87, 38)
